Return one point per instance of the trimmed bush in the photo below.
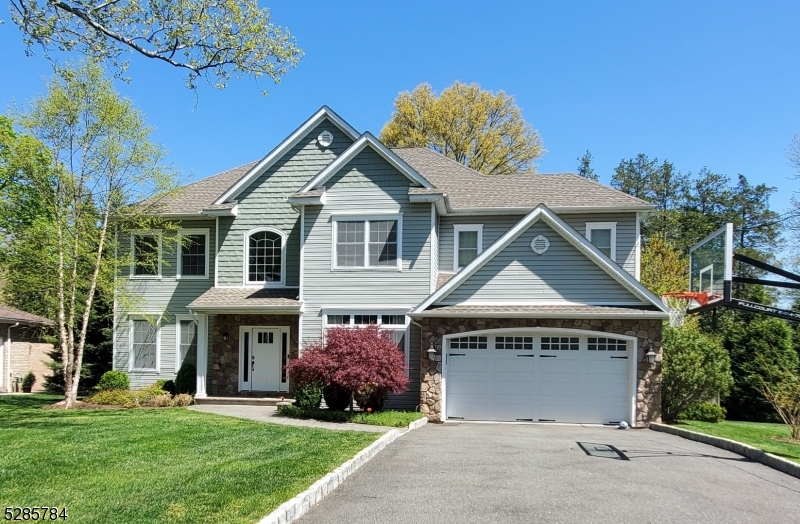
(371, 396)
(183, 400)
(114, 380)
(704, 412)
(186, 380)
(316, 414)
(28, 382)
(336, 398)
(169, 387)
(112, 397)
(308, 396)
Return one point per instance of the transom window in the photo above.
(394, 324)
(560, 344)
(607, 344)
(516, 343)
(193, 260)
(468, 244)
(145, 254)
(604, 237)
(144, 345)
(469, 343)
(265, 254)
(373, 243)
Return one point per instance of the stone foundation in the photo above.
(223, 362)
(648, 332)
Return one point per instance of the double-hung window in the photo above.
(468, 244)
(193, 257)
(396, 324)
(186, 338)
(375, 242)
(145, 254)
(604, 237)
(144, 345)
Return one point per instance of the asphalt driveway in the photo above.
(543, 473)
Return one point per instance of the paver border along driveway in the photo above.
(543, 473)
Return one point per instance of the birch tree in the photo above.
(103, 163)
(214, 39)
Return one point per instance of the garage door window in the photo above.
(559, 343)
(607, 344)
(515, 343)
(469, 343)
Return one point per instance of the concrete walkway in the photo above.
(270, 414)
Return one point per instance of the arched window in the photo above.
(265, 257)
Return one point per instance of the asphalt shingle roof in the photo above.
(195, 197)
(245, 298)
(14, 315)
(544, 311)
(468, 188)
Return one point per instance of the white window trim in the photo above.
(246, 257)
(156, 233)
(590, 226)
(366, 219)
(131, 359)
(178, 356)
(458, 228)
(379, 312)
(181, 234)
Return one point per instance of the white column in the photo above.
(2, 366)
(202, 355)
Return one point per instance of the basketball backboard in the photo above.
(711, 265)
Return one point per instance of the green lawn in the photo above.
(158, 465)
(394, 419)
(755, 434)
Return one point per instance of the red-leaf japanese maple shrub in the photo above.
(362, 363)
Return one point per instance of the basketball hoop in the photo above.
(678, 304)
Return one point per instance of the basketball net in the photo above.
(678, 306)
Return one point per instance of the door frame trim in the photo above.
(284, 386)
(633, 357)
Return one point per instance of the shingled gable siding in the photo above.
(518, 275)
(494, 226)
(167, 296)
(368, 185)
(264, 204)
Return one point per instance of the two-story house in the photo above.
(513, 297)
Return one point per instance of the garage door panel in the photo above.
(514, 365)
(562, 366)
(470, 363)
(463, 385)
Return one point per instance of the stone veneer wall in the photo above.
(648, 396)
(223, 358)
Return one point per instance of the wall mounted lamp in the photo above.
(226, 335)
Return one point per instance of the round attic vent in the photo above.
(325, 138)
(540, 244)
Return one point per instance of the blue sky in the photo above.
(710, 84)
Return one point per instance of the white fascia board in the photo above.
(308, 200)
(442, 202)
(541, 212)
(286, 145)
(544, 314)
(367, 139)
(469, 211)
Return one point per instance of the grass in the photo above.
(389, 418)
(756, 434)
(158, 465)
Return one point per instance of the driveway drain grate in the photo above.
(594, 449)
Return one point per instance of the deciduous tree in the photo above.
(216, 39)
(479, 128)
(102, 164)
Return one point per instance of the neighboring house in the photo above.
(513, 297)
(21, 349)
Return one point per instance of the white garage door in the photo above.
(537, 378)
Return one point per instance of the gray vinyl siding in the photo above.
(163, 297)
(264, 203)
(368, 185)
(495, 226)
(518, 275)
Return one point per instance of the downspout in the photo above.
(8, 357)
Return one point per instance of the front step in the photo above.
(241, 401)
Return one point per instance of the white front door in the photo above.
(265, 361)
